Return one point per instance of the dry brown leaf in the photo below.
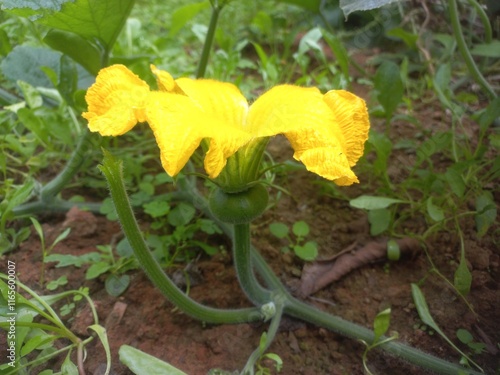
(318, 274)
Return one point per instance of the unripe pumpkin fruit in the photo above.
(241, 207)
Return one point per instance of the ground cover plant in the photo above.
(395, 274)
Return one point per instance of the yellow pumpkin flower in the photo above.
(327, 132)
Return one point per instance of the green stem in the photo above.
(310, 314)
(464, 50)
(112, 170)
(76, 160)
(488, 32)
(243, 264)
(57, 205)
(207, 46)
(271, 333)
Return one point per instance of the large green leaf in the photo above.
(349, 6)
(87, 54)
(25, 63)
(98, 21)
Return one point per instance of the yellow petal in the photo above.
(179, 125)
(352, 117)
(330, 163)
(115, 101)
(221, 100)
(309, 124)
(165, 81)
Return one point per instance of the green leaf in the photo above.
(426, 317)
(381, 323)
(462, 278)
(184, 14)
(491, 113)
(310, 5)
(456, 181)
(94, 20)
(487, 49)
(389, 87)
(486, 212)
(182, 214)
(141, 363)
(279, 230)
(435, 212)
(65, 260)
(409, 39)
(24, 63)
(349, 6)
(464, 336)
(54, 284)
(300, 229)
(124, 249)
(31, 95)
(307, 252)
(157, 208)
(68, 367)
(101, 333)
(97, 269)
(380, 220)
(116, 285)
(340, 52)
(370, 202)
(5, 46)
(383, 146)
(81, 50)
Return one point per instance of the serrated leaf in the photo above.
(349, 6)
(370, 202)
(157, 208)
(141, 363)
(91, 19)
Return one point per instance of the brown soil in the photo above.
(144, 319)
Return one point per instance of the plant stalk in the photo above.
(207, 46)
(112, 169)
(464, 50)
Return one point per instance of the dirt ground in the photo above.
(144, 319)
